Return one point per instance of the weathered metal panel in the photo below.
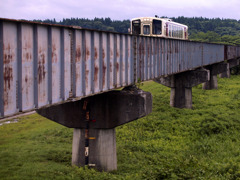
(1, 72)
(123, 59)
(168, 57)
(10, 68)
(111, 60)
(231, 52)
(189, 55)
(42, 61)
(175, 57)
(96, 64)
(183, 56)
(56, 64)
(104, 62)
(79, 56)
(212, 53)
(100, 62)
(140, 58)
(67, 64)
(160, 57)
(146, 60)
(152, 56)
(27, 68)
(88, 62)
(149, 63)
(132, 60)
(163, 56)
(128, 60)
(117, 63)
(197, 61)
(156, 58)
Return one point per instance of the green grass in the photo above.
(170, 143)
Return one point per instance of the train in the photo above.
(158, 27)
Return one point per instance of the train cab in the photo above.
(158, 27)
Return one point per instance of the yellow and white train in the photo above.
(158, 27)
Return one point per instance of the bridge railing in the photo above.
(42, 64)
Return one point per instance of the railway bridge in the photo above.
(69, 75)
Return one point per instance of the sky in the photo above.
(117, 9)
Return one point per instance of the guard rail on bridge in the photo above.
(43, 64)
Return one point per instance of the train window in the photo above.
(157, 27)
(136, 27)
(146, 29)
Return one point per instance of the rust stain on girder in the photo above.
(95, 53)
(104, 74)
(41, 66)
(7, 74)
(104, 68)
(103, 53)
(117, 66)
(54, 54)
(87, 53)
(8, 70)
(96, 68)
(78, 54)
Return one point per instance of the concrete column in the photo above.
(181, 97)
(211, 84)
(225, 74)
(181, 86)
(230, 64)
(101, 150)
(214, 69)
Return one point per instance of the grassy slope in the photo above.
(203, 143)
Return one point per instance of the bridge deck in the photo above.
(43, 64)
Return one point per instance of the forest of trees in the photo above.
(216, 30)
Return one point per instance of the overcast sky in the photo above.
(117, 9)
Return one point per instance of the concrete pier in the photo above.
(226, 74)
(101, 152)
(214, 69)
(94, 120)
(181, 86)
(230, 64)
(211, 84)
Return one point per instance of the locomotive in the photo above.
(158, 27)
